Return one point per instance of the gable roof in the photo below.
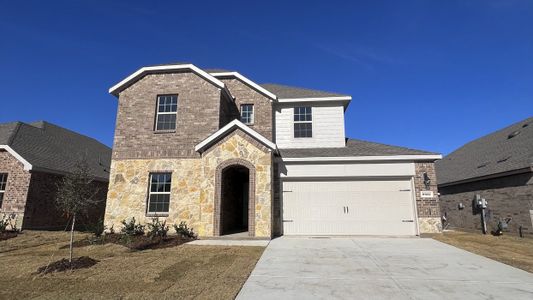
(255, 86)
(291, 92)
(227, 129)
(508, 149)
(126, 82)
(50, 148)
(359, 148)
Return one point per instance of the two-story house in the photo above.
(227, 155)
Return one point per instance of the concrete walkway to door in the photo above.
(380, 268)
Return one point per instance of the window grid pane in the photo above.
(3, 181)
(159, 198)
(303, 126)
(247, 113)
(167, 107)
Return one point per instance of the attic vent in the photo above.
(513, 134)
(503, 159)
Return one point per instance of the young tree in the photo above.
(76, 194)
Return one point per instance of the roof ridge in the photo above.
(14, 133)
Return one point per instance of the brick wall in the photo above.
(508, 197)
(262, 106)
(198, 116)
(41, 210)
(18, 181)
(429, 218)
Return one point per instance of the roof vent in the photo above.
(482, 165)
(525, 125)
(513, 134)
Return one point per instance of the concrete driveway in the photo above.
(380, 268)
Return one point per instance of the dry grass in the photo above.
(511, 250)
(182, 272)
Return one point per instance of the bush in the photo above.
(157, 229)
(131, 228)
(9, 220)
(97, 228)
(183, 230)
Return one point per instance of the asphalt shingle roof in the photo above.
(285, 91)
(49, 147)
(353, 148)
(492, 154)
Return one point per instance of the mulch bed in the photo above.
(7, 235)
(64, 265)
(136, 242)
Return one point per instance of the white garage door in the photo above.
(377, 207)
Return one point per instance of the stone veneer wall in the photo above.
(429, 218)
(507, 197)
(18, 181)
(193, 186)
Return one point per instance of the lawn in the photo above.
(182, 272)
(511, 250)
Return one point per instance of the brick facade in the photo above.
(18, 181)
(199, 115)
(31, 196)
(507, 197)
(263, 116)
(427, 208)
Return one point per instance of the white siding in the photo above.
(302, 170)
(328, 127)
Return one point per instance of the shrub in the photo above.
(8, 220)
(183, 230)
(3, 225)
(98, 228)
(157, 229)
(131, 228)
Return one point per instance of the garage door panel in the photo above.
(375, 207)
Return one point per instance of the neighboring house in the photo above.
(498, 167)
(225, 154)
(33, 159)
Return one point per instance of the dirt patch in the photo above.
(135, 242)
(64, 265)
(511, 250)
(8, 235)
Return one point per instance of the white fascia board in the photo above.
(142, 71)
(314, 99)
(228, 127)
(27, 165)
(247, 81)
(364, 158)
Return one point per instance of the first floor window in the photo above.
(247, 114)
(167, 108)
(303, 122)
(159, 197)
(3, 182)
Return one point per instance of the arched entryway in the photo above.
(235, 198)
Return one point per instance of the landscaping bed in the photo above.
(510, 250)
(6, 235)
(134, 242)
(64, 265)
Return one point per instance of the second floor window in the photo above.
(159, 193)
(167, 107)
(303, 122)
(3, 182)
(247, 114)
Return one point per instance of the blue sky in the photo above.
(424, 74)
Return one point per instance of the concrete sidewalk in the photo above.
(380, 268)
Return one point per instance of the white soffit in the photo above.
(154, 69)
(247, 81)
(314, 99)
(235, 123)
(364, 158)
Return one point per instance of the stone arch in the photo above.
(218, 194)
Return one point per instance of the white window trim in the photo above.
(253, 113)
(150, 193)
(302, 122)
(158, 113)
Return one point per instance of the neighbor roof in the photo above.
(353, 148)
(505, 150)
(48, 147)
(291, 92)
